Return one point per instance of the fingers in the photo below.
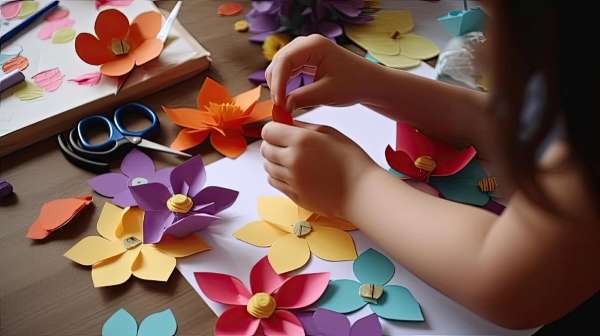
(316, 93)
(281, 135)
(274, 154)
(318, 128)
(277, 172)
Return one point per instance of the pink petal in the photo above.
(10, 10)
(282, 323)
(301, 290)
(137, 164)
(263, 278)
(49, 80)
(49, 27)
(57, 14)
(109, 184)
(236, 322)
(89, 79)
(223, 288)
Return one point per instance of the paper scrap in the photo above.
(115, 3)
(28, 7)
(121, 323)
(10, 10)
(50, 27)
(27, 91)
(49, 80)
(57, 14)
(56, 214)
(16, 63)
(63, 35)
(89, 79)
(323, 322)
(230, 9)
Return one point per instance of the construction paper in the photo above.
(115, 3)
(28, 91)
(50, 27)
(121, 323)
(55, 214)
(28, 7)
(370, 58)
(417, 47)
(323, 322)
(372, 267)
(63, 35)
(230, 9)
(395, 61)
(268, 309)
(57, 14)
(463, 186)
(10, 10)
(461, 22)
(49, 80)
(120, 252)
(89, 79)
(330, 323)
(136, 168)
(494, 207)
(281, 115)
(15, 63)
(219, 116)
(327, 239)
(186, 182)
(368, 325)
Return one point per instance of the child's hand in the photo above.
(342, 78)
(316, 166)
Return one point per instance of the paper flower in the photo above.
(323, 322)
(419, 157)
(119, 46)
(302, 77)
(293, 233)
(119, 251)
(471, 185)
(273, 43)
(136, 168)
(56, 214)
(373, 271)
(387, 39)
(121, 323)
(188, 208)
(266, 304)
(221, 117)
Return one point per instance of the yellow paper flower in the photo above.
(273, 43)
(119, 251)
(293, 233)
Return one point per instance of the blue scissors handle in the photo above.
(135, 108)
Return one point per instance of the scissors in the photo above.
(78, 148)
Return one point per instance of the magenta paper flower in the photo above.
(136, 168)
(323, 322)
(183, 208)
(266, 305)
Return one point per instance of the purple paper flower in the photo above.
(184, 208)
(136, 168)
(323, 322)
(300, 79)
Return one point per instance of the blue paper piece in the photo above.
(159, 324)
(370, 58)
(397, 303)
(121, 323)
(372, 267)
(342, 296)
(463, 186)
(461, 22)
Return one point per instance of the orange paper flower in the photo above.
(119, 46)
(221, 117)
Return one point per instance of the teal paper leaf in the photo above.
(159, 324)
(121, 323)
(463, 186)
(372, 267)
(397, 303)
(372, 59)
(342, 296)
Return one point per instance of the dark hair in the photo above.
(543, 40)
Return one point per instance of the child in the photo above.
(537, 261)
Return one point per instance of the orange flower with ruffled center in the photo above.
(120, 46)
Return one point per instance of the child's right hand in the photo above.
(343, 78)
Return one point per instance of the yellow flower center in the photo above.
(131, 242)
(241, 26)
(119, 47)
(426, 163)
(302, 228)
(261, 305)
(180, 203)
(370, 292)
(273, 43)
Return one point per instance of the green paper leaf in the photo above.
(397, 303)
(342, 296)
(63, 35)
(159, 324)
(463, 186)
(121, 323)
(372, 267)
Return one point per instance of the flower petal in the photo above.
(247, 99)
(401, 162)
(131, 224)
(118, 66)
(236, 322)
(91, 50)
(397, 303)
(342, 296)
(258, 77)
(282, 323)
(147, 25)
(162, 323)
(301, 290)
(261, 111)
(330, 323)
(151, 196)
(188, 138)
(189, 117)
(152, 264)
(162, 176)
(223, 288)
(368, 325)
(463, 186)
(109, 221)
(306, 318)
(280, 211)
(147, 51)
(137, 164)
(372, 267)
(417, 47)
(232, 144)
(111, 24)
(221, 199)
(259, 233)
(332, 222)
(121, 323)
(288, 253)
(184, 247)
(93, 249)
(190, 224)
(263, 278)
(212, 92)
(155, 223)
(116, 270)
(331, 244)
(192, 173)
(124, 199)
(109, 184)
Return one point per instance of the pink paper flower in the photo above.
(266, 305)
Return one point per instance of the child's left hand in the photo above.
(316, 166)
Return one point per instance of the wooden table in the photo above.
(43, 293)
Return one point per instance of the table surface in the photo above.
(43, 293)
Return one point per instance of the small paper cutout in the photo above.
(56, 214)
(327, 237)
(49, 80)
(10, 10)
(121, 323)
(461, 22)
(89, 79)
(63, 35)
(50, 27)
(17, 63)
(10, 53)
(57, 14)
(230, 9)
(115, 3)
(28, 7)
(323, 322)
(463, 186)
(27, 91)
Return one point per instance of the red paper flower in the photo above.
(419, 157)
(266, 305)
